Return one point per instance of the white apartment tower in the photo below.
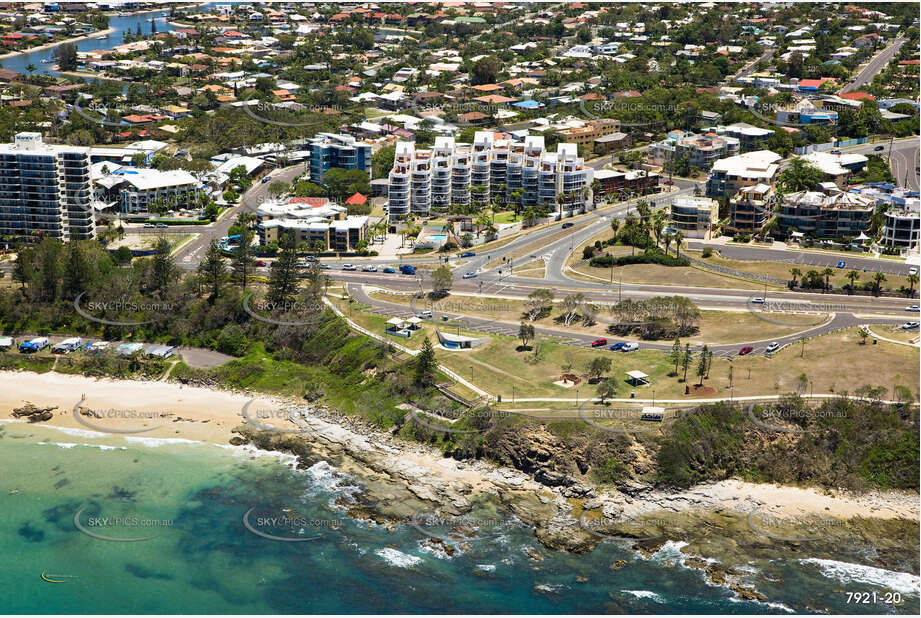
(449, 173)
(45, 190)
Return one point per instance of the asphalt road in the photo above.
(877, 64)
(807, 258)
(189, 256)
(841, 320)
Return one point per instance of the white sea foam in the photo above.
(486, 568)
(102, 447)
(847, 573)
(153, 442)
(646, 594)
(397, 558)
(770, 604)
(71, 431)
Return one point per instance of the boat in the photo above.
(47, 578)
(45, 60)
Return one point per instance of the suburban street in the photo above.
(877, 64)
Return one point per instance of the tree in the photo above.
(65, 55)
(800, 175)
(878, 279)
(675, 355)
(853, 276)
(76, 271)
(606, 389)
(426, 365)
(912, 280)
(827, 273)
(525, 333)
(686, 361)
(243, 263)
(678, 237)
(571, 305)
(485, 70)
(796, 272)
(283, 277)
(538, 301)
(382, 161)
(442, 280)
(863, 333)
(163, 271)
(212, 271)
(599, 366)
(702, 364)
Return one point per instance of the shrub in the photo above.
(707, 252)
(647, 257)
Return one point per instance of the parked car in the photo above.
(630, 347)
(424, 315)
(468, 254)
(260, 262)
(758, 300)
(841, 264)
(567, 225)
(617, 346)
(912, 308)
(772, 347)
(669, 182)
(878, 148)
(746, 350)
(349, 267)
(469, 275)
(370, 268)
(910, 325)
(389, 269)
(67, 346)
(597, 343)
(836, 151)
(913, 270)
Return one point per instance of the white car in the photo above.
(909, 325)
(371, 268)
(349, 267)
(771, 347)
(913, 270)
(424, 315)
(758, 300)
(469, 275)
(630, 347)
(912, 308)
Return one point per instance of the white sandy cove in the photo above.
(223, 411)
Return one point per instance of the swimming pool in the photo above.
(437, 237)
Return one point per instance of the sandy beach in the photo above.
(95, 35)
(208, 415)
(196, 413)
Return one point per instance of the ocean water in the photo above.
(222, 529)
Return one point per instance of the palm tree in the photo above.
(912, 280)
(658, 224)
(828, 272)
(853, 275)
(678, 237)
(667, 239)
(800, 175)
(878, 279)
(796, 272)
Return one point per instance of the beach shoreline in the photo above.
(211, 415)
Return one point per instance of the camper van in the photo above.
(33, 345)
(67, 346)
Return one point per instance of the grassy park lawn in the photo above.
(715, 326)
(534, 268)
(655, 274)
(895, 332)
(781, 270)
(832, 363)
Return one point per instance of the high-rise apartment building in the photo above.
(329, 150)
(486, 170)
(45, 190)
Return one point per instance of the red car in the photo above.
(746, 350)
(597, 343)
(260, 262)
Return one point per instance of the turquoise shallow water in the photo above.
(189, 500)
